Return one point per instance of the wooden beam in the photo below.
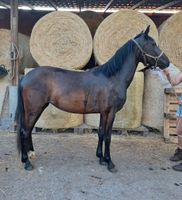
(4, 5)
(172, 3)
(108, 5)
(80, 5)
(14, 75)
(138, 4)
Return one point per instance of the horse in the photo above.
(102, 89)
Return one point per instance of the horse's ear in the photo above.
(138, 35)
(147, 30)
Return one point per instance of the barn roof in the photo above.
(103, 5)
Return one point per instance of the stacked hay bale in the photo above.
(61, 39)
(112, 33)
(153, 102)
(170, 40)
(25, 58)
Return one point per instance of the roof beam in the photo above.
(138, 4)
(169, 4)
(108, 5)
(27, 4)
(4, 5)
(52, 4)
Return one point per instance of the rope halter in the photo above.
(144, 54)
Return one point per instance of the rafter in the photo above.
(52, 4)
(169, 4)
(108, 5)
(4, 5)
(138, 4)
(27, 4)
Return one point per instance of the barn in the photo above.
(80, 36)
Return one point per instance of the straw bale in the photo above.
(117, 29)
(170, 40)
(25, 58)
(92, 19)
(153, 102)
(61, 39)
(129, 117)
(54, 118)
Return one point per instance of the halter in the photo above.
(144, 54)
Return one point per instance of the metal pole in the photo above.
(14, 51)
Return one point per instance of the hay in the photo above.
(25, 58)
(117, 29)
(153, 103)
(54, 118)
(92, 19)
(61, 39)
(131, 114)
(170, 39)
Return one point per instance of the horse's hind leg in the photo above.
(32, 113)
(99, 152)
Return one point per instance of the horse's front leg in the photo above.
(108, 132)
(99, 152)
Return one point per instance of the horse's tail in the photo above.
(19, 116)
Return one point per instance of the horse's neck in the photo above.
(126, 74)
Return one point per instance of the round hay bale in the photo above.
(25, 58)
(170, 40)
(54, 118)
(92, 19)
(117, 29)
(129, 117)
(61, 39)
(153, 102)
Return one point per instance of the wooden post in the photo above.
(14, 56)
(14, 43)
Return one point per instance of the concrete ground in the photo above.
(67, 169)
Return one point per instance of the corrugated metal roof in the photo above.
(100, 4)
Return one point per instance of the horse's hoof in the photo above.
(32, 155)
(111, 167)
(28, 166)
(102, 161)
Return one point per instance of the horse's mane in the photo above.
(114, 64)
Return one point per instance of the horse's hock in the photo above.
(61, 39)
(25, 58)
(170, 40)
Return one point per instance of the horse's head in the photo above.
(150, 54)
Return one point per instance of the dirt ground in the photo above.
(67, 169)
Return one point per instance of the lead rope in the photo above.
(14, 55)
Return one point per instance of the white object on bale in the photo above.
(25, 58)
(153, 102)
(61, 39)
(54, 118)
(129, 117)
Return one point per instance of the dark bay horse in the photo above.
(101, 90)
